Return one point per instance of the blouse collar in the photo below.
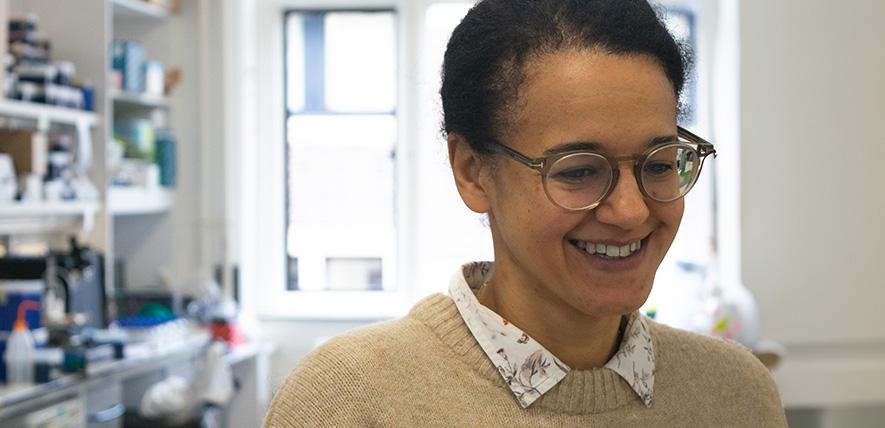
(526, 367)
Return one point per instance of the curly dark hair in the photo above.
(486, 57)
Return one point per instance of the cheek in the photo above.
(670, 215)
(522, 210)
(515, 192)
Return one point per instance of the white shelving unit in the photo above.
(149, 229)
(153, 232)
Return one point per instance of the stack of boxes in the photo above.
(32, 75)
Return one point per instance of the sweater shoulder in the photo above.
(383, 339)
(672, 339)
(705, 353)
(366, 346)
(338, 382)
(732, 378)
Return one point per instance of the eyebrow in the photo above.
(589, 146)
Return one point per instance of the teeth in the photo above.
(609, 250)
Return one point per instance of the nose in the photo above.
(625, 207)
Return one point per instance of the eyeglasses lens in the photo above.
(669, 172)
(581, 180)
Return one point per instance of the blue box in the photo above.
(128, 58)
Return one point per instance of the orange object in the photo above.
(20, 322)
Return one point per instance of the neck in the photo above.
(579, 340)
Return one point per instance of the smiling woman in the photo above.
(585, 94)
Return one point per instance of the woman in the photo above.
(561, 122)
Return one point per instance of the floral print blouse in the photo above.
(527, 368)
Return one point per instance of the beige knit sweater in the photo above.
(427, 370)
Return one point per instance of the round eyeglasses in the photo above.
(579, 180)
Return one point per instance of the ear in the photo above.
(467, 169)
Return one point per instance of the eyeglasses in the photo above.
(581, 180)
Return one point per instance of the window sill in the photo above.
(334, 306)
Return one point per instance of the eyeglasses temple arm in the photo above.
(705, 145)
(537, 164)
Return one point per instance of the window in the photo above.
(341, 141)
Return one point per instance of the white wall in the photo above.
(295, 339)
(812, 103)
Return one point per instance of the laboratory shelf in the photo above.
(47, 113)
(38, 217)
(138, 201)
(139, 10)
(133, 99)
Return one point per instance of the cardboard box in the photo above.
(29, 151)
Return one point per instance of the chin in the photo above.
(611, 301)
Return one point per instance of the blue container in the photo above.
(127, 57)
(165, 157)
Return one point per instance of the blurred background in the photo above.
(265, 174)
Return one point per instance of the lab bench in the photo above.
(101, 396)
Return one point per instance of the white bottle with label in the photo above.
(19, 354)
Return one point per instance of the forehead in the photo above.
(620, 102)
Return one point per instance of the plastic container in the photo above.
(20, 281)
(19, 353)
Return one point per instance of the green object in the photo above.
(139, 137)
(156, 310)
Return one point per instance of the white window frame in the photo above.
(274, 301)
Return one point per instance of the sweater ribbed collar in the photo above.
(502, 351)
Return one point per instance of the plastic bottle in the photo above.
(19, 355)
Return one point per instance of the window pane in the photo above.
(358, 274)
(360, 61)
(341, 193)
(339, 164)
(295, 75)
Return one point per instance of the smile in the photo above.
(608, 251)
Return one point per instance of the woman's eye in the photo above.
(659, 168)
(576, 174)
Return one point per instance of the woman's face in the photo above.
(620, 103)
